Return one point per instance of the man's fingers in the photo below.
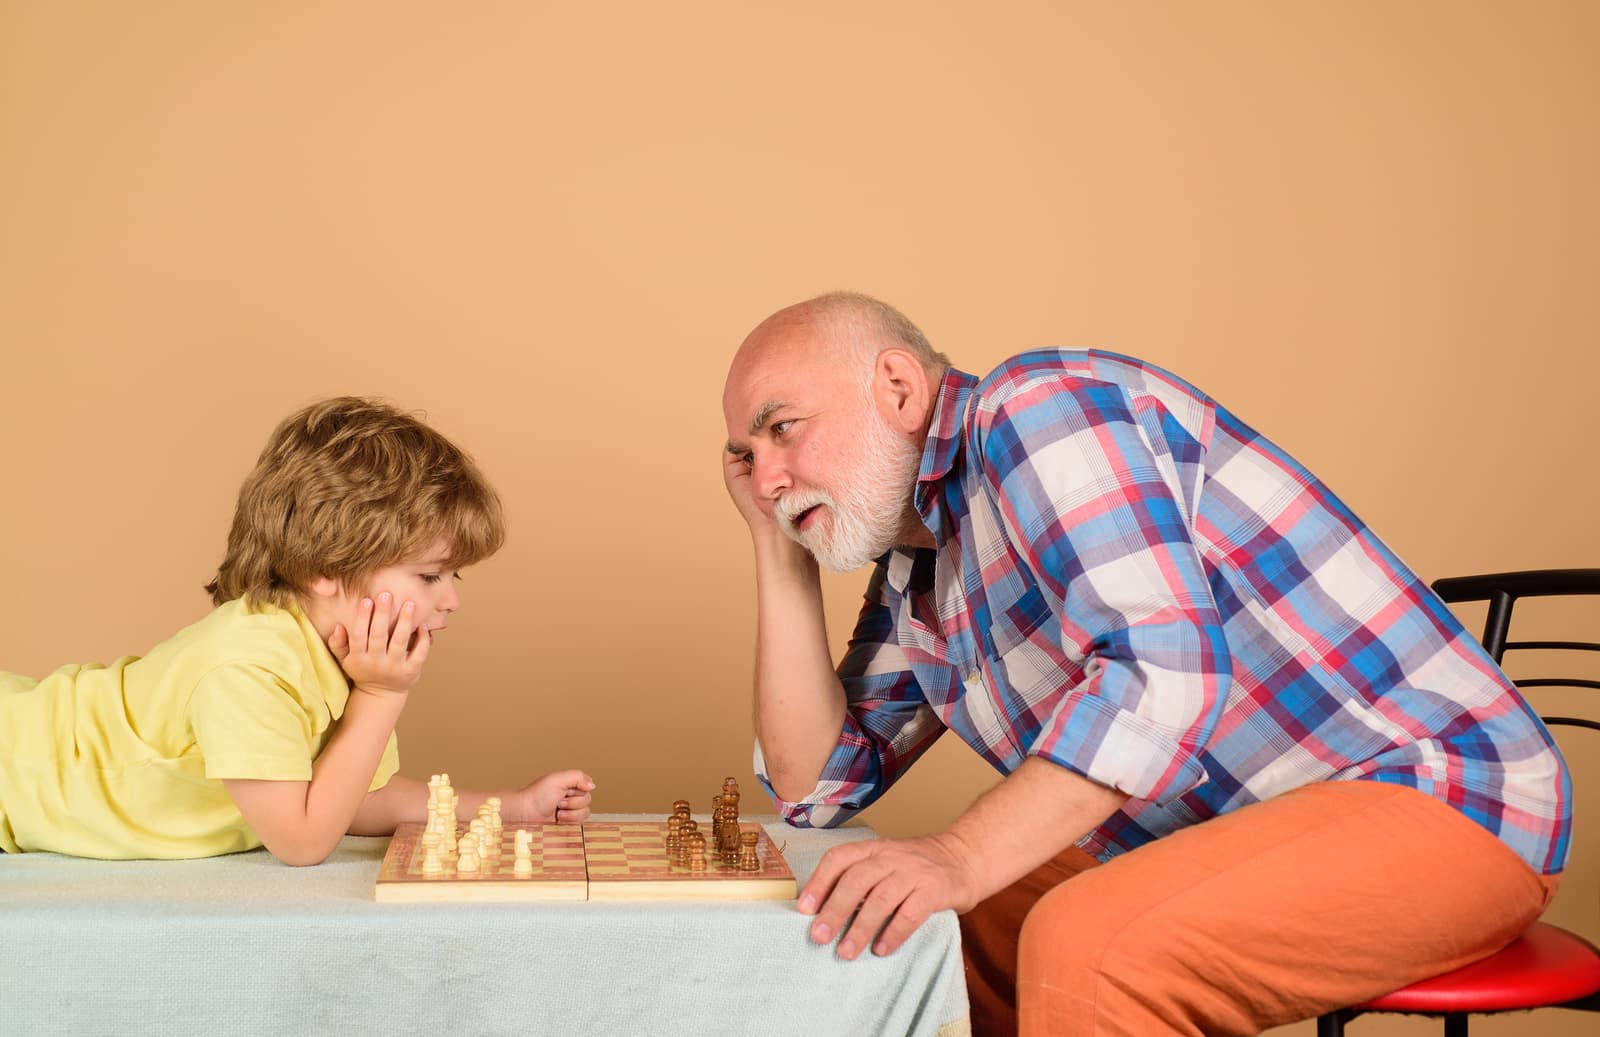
(833, 863)
(880, 902)
(908, 917)
(848, 895)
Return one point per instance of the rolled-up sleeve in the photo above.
(1090, 494)
(888, 723)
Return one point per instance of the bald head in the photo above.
(839, 329)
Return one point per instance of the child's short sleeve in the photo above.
(388, 766)
(249, 723)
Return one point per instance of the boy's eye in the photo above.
(430, 577)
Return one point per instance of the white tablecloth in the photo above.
(245, 945)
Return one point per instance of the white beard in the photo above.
(864, 518)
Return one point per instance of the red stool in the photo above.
(1547, 967)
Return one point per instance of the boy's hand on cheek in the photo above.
(375, 659)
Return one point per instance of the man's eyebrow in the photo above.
(764, 414)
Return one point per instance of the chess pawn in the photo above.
(468, 862)
(697, 852)
(674, 832)
(748, 861)
(688, 832)
(431, 862)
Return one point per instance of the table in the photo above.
(245, 945)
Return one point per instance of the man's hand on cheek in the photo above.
(891, 886)
(376, 658)
(758, 512)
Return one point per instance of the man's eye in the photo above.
(781, 427)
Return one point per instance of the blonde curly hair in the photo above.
(344, 488)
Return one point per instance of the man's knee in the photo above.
(1073, 926)
(1093, 958)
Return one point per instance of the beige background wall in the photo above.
(1370, 228)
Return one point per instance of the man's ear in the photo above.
(901, 390)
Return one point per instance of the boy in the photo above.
(271, 721)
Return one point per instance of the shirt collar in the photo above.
(940, 451)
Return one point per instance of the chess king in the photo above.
(271, 720)
(1236, 733)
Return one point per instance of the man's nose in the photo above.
(769, 477)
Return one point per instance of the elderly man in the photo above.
(1244, 748)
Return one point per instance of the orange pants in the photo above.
(1314, 900)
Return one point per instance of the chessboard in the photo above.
(558, 869)
(628, 860)
(446, 860)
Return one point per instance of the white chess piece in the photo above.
(468, 862)
(523, 846)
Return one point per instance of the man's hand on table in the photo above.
(897, 883)
(891, 886)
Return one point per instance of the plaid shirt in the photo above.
(1133, 584)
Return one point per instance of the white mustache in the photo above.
(797, 503)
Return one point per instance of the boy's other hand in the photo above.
(562, 796)
(375, 658)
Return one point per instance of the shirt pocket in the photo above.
(1013, 622)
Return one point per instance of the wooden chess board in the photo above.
(599, 860)
(628, 860)
(558, 869)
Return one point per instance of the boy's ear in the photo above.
(324, 587)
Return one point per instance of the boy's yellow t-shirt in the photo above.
(126, 761)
